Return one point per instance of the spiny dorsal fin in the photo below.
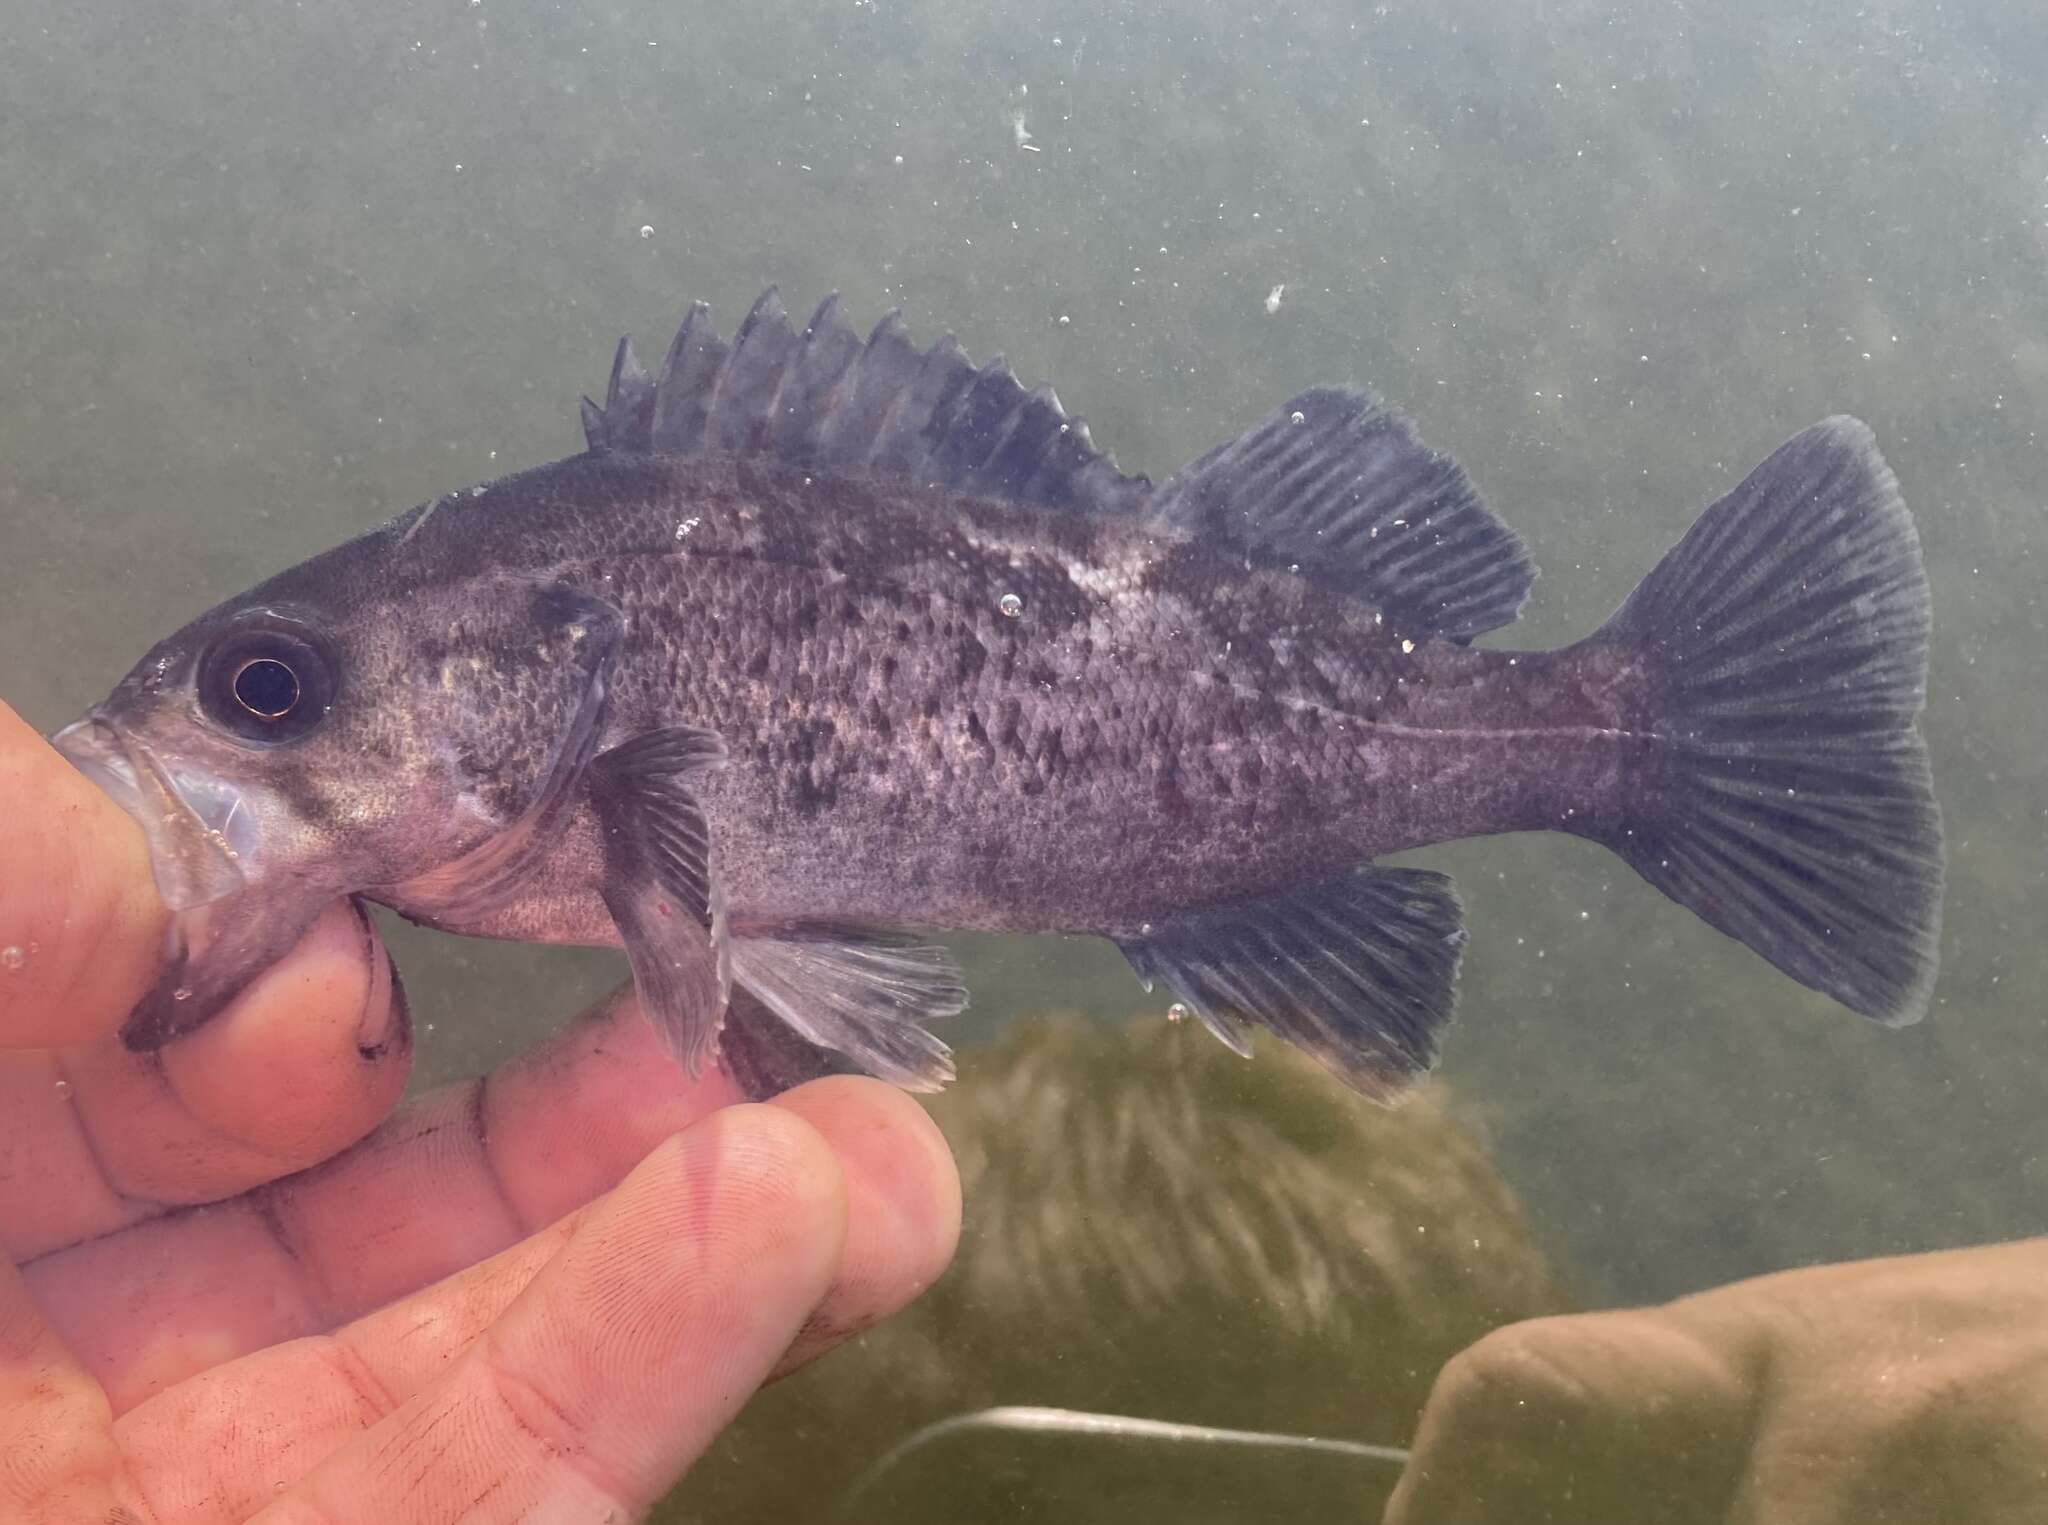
(628, 401)
(1339, 487)
(824, 398)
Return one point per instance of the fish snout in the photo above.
(202, 837)
(93, 747)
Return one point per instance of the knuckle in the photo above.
(1534, 1360)
(556, 1437)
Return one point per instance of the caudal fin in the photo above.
(1788, 800)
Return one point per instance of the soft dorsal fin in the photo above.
(1340, 489)
(824, 398)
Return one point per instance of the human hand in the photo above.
(231, 1288)
(1904, 1390)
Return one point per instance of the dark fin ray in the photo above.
(660, 884)
(746, 390)
(1336, 485)
(904, 445)
(1032, 430)
(824, 398)
(1361, 971)
(628, 399)
(821, 367)
(764, 1054)
(1783, 642)
(683, 394)
(967, 432)
(867, 995)
(871, 395)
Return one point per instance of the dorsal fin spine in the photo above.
(900, 345)
(823, 397)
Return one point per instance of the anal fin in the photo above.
(659, 883)
(1360, 971)
(862, 993)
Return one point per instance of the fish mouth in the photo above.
(202, 836)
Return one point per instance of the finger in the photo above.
(1603, 1419)
(303, 1063)
(902, 1211)
(449, 1181)
(316, 1394)
(81, 927)
(639, 1341)
(472, 1170)
(905, 1191)
(57, 1455)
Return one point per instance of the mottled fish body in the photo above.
(824, 642)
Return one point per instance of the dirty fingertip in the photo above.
(903, 1203)
(81, 926)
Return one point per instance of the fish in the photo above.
(825, 646)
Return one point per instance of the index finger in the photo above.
(81, 925)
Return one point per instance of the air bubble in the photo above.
(12, 958)
(1178, 1012)
(646, 230)
(63, 1089)
(1011, 605)
(1298, 416)
(182, 993)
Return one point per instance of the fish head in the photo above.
(214, 745)
(276, 752)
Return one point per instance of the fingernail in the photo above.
(387, 1015)
(387, 1024)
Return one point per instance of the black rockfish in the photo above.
(822, 642)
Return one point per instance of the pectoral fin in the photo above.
(659, 883)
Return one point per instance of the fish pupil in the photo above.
(267, 688)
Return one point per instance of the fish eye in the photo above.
(267, 688)
(267, 683)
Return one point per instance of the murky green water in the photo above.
(272, 273)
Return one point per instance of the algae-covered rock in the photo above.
(1154, 1227)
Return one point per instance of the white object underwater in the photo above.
(1033, 1420)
